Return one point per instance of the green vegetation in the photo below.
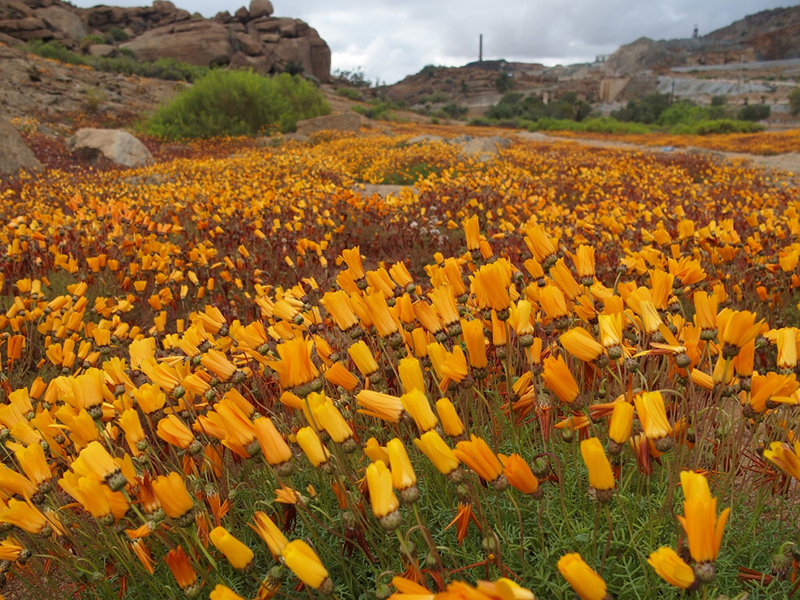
(355, 78)
(794, 101)
(164, 68)
(685, 116)
(504, 82)
(516, 105)
(379, 110)
(238, 103)
(347, 92)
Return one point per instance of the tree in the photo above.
(794, 101)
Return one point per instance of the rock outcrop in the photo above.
(14, 152)
(118, 146)
(253, 36)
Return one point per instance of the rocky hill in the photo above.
(251, 37)
(764, 36)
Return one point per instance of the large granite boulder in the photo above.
(202, 43)
(260, 8)
(64, 21)
(14, 153)
(118, 146)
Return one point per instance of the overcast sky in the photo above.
(390, 39)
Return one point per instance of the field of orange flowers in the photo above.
(561, 372)
(766, 143)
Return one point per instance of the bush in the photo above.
(453, 111)
(794, 101)
(350, 93)
(115, 34)
(515, 105)
(379, 111)
(645, 110)
(754, 112)
(94, 98)
(355, 78)
(601, 125)
(708, 127)
(237, 103)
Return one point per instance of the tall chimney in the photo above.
(480, 48)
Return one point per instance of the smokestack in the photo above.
(480, 48)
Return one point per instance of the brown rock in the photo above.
(264, 25)
(118, 146)
(202, 43)
(270, 38)
(164, 6)
(64, 21)
(242, 14)
(30, 24)
(250, 45)
(14, 9)
(342, 122)
(237, 27)
(296, 50)
(36, 34)
(223, 17)
(102, 50)
(14, 153)
(287, 27)
(320, 59)
(260, 8)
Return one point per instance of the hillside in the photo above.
(249, 38)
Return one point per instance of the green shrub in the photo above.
(379, 111)
(350, 93)
(645, 110)
(794, 101)
(708, 127)
(754, 112)
(91, 40)
(480, 122)
(94, 98)
(237, 103)
(600, 125)
(115, 34)
(515, 105)
(504, 82)
(453, 111)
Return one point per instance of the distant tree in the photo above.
(294, 67)
(355, 78)
(644, 110)
(754, 112)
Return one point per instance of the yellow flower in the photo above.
(295, 369)
(610, 329)
(519, 474)
(444, 302)
(312, 446)
(451, 422)
(273, 446)
(558, 378)
(337, 374)
(237, 553)
(705, 307)
(173, 431)
(95, 459)
(25, 516)
(411, 375)
(270, 533)
(439, 453)
(601, 477)
(134, 434)
(403, 475)
(584, 263)
(382, 406)
(363, 358)
(375, 451)
(305, 563)
(476, 343)
(586, 583)
(383, 320)
(416, 404)
(353, 259)
(703, 529)
(331, 420)
(672, 568)
(339, 308)
(477, 455)
(472, 230)
(175, 500)
(580, 343)
(33, 463)
(781, 455)
(619, 429)
(222, 592)
(491, 284)
(379, 481)
(653, 415)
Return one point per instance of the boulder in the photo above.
(64, 21)
(341, 122)
(14, 153)
(102, 50)
(296, 50)
(264, 25)
(484, 149)
(120, 147)
(260, 8)
(249, 45)
(242, 14)
(14, 9)
(202, 43)
(320, 59)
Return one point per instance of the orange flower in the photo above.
(558, 378)
(519, 473)
(477, 455)
(182, 570)
(382, 406)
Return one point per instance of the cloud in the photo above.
(391, 39)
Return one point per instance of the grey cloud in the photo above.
(391, 40)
